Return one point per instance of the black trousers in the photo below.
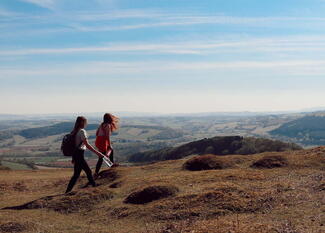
(79, 165)
(100, 161)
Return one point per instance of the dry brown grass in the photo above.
(237, 199)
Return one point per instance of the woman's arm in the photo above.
(92, 149)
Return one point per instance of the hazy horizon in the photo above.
(164, 57)
(138, 113)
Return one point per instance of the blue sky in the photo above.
(62, 56)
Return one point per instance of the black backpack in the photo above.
(68, 146)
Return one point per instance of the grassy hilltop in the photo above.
(225, 145)
(269, 192)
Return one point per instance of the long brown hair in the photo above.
(80, 123)
(111, 120)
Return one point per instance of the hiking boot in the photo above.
(96, 176)
(96, 185)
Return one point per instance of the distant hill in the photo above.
(55, 129)
(162, 133)
(308, 130)
(218, 146)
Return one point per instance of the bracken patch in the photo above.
(108, 176)
(274, 161)
(116, 185)
(150, 194)
(206, 162)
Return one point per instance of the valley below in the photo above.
(35, 143)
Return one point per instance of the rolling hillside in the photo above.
(218, 146)
(308, 130)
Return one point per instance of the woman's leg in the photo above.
(98, 165)
(111, 156)
(76, 174)
(87, 170)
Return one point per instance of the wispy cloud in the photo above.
(113, 20)
(49, 4)
(119, 14)
(106, 69)
(276, 44)
(176, 21)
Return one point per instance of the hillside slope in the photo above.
(308, 130)
(216, 145)
(257, 193)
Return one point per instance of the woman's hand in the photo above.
(100, 155)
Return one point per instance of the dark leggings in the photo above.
(79, 165)
(100, 161)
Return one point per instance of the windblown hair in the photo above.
(111, 120)
(80, 122)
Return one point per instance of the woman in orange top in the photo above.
(103, 142)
